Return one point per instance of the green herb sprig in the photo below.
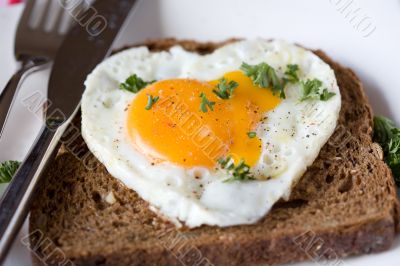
(326, 95)
(264, 76)
(239, 172)
(134, 84)
(251, 134)
(388, 136)
(205, 103)
(7, 170)
(291, 75)
(311, 91)
(150, 101)
(224, 90)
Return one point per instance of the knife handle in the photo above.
(16, 201)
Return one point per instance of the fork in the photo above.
(35, 47)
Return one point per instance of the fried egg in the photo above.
(165, 142)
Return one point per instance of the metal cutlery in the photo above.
(35, 45)
(81, 51)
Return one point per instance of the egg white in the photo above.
(292, 135)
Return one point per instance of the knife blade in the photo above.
(78, 58)
(83, 48)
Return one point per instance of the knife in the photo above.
(83, 48)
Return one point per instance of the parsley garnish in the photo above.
(224, 89)
(264, 76)
(311, 91)
(388, 136)
(326, 95)
(134, 84)
(150, 101)
(239, 172)
(251, 134)
(291, 74)
(7, 170)
(205, 103)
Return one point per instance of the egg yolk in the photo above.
(175, 129)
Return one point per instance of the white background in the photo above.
(324, 24)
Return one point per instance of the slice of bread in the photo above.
(344, 205)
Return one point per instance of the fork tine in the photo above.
(78, 9)
(28, 11)
(45, 14)
(57, 24)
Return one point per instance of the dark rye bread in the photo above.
(344, 205)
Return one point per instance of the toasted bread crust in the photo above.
(344, 205)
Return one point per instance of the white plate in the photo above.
(361, 34)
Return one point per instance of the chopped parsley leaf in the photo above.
(134, 84)
(326, 95)
(205, 103)
(311, 91)
(251, 134)
(388, 136)
(224, 90)
(150, 101)
(239, 172)
(264, 76)
(291, 74)
(7, 170)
